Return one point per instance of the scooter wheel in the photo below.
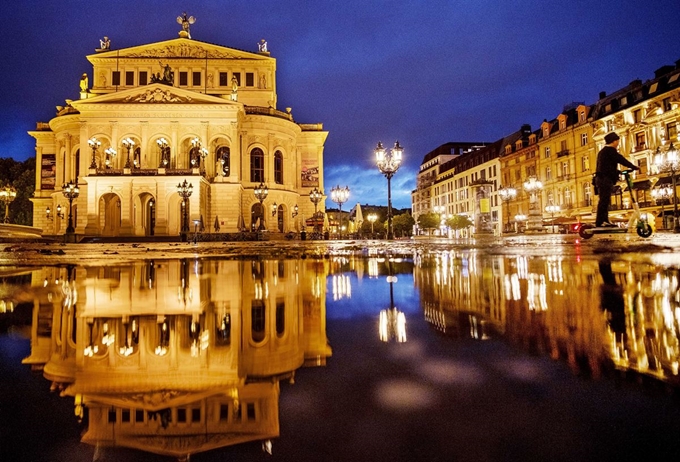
(644, 230)
(584, 232)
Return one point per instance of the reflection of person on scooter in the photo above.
(611, 299)
(606, 176)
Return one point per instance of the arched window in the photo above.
(77, 163)
(256, 165)
(224, 157)
(278, 167)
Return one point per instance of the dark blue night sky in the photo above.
(424, 73)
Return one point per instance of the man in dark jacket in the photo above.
(607, 174)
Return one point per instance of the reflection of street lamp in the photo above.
(128, 143)
(392, 321)
(388, 163)
(669, 162)
(372, 217)
(552, 209)
(261, 193)
(184, 190)
(507, 194)
(70, 191)
(94, 144)
(661, 194)
(339, 196)
(152, 217)
(7, 194)
(163, 147)
(533, 186)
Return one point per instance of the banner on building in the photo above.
(309, 174)
(48, 171)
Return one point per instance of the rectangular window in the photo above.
(183, 79)
(584, 139)
(129, 78)
(250, 410)
(637, 115)
(181, 415)
(672, 132)
(125, 415)
(547, 152)
(115, 78)
(196, 415)
(640, 141)
(224, 79)
(250, 79)
(548, 173)
(143, 78)
(224, 412)
(112, 416)
(238, 78)
(139, 415)
(196, 79)
(666, 103)
(585, 163)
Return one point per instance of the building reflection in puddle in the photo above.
(593, 314)
(178, 357)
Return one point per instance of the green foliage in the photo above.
(457, 222)
(429, 221)
(402, 225)
(21, 175)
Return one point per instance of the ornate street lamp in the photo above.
(339, 196)
(315, 196)
(110, 155)
(372, 217)
(199, 151)
(520, 217)
(295, 211)
(48, 213)
(163, 146)
(507, 193)
(661, 194)
(70, 191)
(275, 208)
(388, 163)
(94, 144)
(552, 209)
(533, 186)
(184, 190)
(669, 162)
(128, 143)
(7, 194)
(261, 193)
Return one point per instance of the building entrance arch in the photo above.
(145, 214)
(109, 214)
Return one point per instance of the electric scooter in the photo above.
(638, 221)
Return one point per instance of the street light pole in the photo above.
(184, 190)
(315, 196)
(388, 163)
(7, 194)
(551, 209)
(339, 196)
(372, 217)
(507, 194)
(533, 186)
(670, 162)
(70, 191)
(128, 143)
(261, 192)
(94, 144)
(163, 147)
(661, 194)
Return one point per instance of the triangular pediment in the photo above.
(178, 49)
(155, 93)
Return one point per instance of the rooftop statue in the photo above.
(105, 43)
(262, 46)
(185, 21)
(84, 84)
(167, 78)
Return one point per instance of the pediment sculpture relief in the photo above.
(157, 95)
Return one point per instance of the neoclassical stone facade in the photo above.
(160, 114)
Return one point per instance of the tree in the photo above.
(429, 221)
(403, 224)
(21, 175)
(458, 222)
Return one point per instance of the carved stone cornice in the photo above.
(157, 95)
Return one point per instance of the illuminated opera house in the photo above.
(155, 117)
(178, 357)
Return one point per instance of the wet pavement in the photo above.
(521, 348)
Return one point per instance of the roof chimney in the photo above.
(603, 94)
(663, 71)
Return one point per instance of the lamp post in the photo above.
(163, 147)
(94, 144)
(70, 191)
(261, 192)
(669, 162)
(184, 190)
(7, 194)
(519, 218)
(48, 213)
(507, 194)
(533, 186)
(339, 196)
(200, 152)
(128, 143)
(315, 196)
(388, 163)
(552, 209)
(392, 323)
(661, 194)
(439, 210)
(110, 155)
(372, 217)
